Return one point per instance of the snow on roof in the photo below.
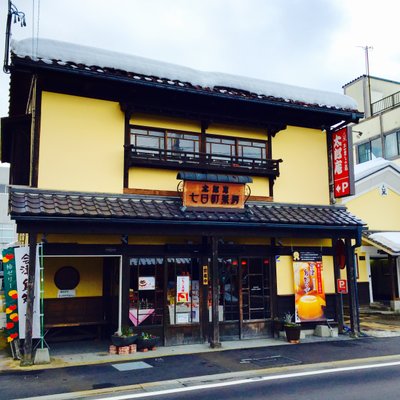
(48, 50)
(369, 167)
(387, 239)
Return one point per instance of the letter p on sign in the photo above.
(342, 286)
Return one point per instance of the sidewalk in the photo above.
(64, 354)
(72, 371)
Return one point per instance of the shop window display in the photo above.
(183, 291)
(146, 291)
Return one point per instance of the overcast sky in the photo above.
(310, 43)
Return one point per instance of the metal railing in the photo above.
(205, 161)
(386, 103)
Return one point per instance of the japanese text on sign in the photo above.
(341, 163)
(213, 194)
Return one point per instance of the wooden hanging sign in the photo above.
(213, 194)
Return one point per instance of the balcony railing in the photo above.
(387, 102)
(185, 160)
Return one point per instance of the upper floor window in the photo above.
(167, 148)
(392, 145)
(367, 151)
(153, 141)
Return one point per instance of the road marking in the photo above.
(250, 380)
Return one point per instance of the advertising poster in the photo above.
(182, 289)
(11, 294)
(147, 283)
(21, 268)
(308, 286)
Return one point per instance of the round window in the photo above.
(67, 278)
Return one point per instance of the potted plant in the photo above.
(124, 338)
(146, 341)
(292, 328)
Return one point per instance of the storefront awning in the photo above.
(386, 241)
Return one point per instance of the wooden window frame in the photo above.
(235, 163)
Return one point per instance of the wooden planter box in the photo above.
(146, 343)
(121, 341)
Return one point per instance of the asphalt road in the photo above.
(22, 384)
(366, 384)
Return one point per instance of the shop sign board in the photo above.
(182, 288)
(205, 274)
(147, 283)
(213, 194)
(64, 293)
(11, 295)
(342, 286)
(16, 266)
(342, 162)
(308, 286)
(22, 267)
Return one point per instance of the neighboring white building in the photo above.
(378, 133)
(377, 201)
(7, 226)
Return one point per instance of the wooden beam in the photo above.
(214, 337)
(125, 289)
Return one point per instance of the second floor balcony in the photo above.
(386, 103)
(202, 162)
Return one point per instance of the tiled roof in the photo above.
(33, 203)
(383, 240)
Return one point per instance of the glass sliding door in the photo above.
(255, 289)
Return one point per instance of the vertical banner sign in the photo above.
(182, 289)
(21, 267)
(308, 286)
(11, 294)
(342, 165)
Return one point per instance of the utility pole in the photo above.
(17, 16)
(367, 105)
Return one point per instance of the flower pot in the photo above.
(123, 340)
(146, 343)
(293, 333)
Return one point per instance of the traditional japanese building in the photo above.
(173, 200)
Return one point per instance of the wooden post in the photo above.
(338, 296)
(27, 359)
(214, 337)
(125, 281)
(392, 267)
(353, 293)
(273, 284)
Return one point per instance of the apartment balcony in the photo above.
(202, 162)
(386, 103)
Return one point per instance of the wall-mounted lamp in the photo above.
(359, 133)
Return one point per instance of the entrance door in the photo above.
(229, 298)
(381, 276)
(245, 302)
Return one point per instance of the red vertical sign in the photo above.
(341, 163)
